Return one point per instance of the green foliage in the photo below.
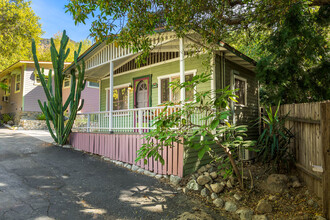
(54, 109)
(295, 66)
(44, 53)
(274, 142)
(41, 117)
(18, 26)
(6, 117)
(212, 129)
(130, 22)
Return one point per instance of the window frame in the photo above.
(8, 90)
(20, 82)
(94, 87)
(37, 76)
(122, 86)
(245, 89)
(170, 76)
(65, 79)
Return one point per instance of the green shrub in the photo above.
(274, 141)
(6, 118)
(41, 117)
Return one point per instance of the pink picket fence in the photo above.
(124, 147)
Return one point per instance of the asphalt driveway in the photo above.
(41, 181)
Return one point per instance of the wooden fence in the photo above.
(310, 123)
(124, 147)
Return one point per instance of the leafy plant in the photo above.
(41, 117)
(54, 109)
(212, 130)
(274, 141)
(6, 118)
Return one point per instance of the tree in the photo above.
(44, 53)
(54, 108)
(295, 65)
(18, 26)
(212, 133)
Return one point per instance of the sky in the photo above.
(53, 19)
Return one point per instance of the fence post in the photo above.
(325, 135)
(88, 122)
(140, 121)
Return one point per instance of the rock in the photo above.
(140, 170)
(217, 187)
(10, 122)
(277, 183)
(264, 206)
(259, 217)
(208, 166)
(207, 186)
(214, 196)
(296, 184)
(106, 159)
(272, 198)
(212, 169)
(206, 174)
(218, 202)
(230, 206)
(175, 180)
(158, 176)
(214, 175)
(166, 176)
(67, 146)
(202, 170)
(237, 197)
(204, 192)
(319, 218)
(293, 179)
(193, 185)
(228, 184)
(245, 213)
(312, 203)
(128, 166)
(151, 174)
(202, 180)
(197, 215)
(135, 168)
(232, 180)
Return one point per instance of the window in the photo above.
(241, 85)
(67, 82)
(8, 84)
(174, 95)
(17, 82)
(93, 84)
(120, 98)
(37, 78)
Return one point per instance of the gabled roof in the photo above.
(20, 63)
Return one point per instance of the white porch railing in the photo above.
(138, 120)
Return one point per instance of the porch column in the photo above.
(182, 76)
(111, 98)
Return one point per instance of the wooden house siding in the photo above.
(248, 114)
(15, 98)
(33, 92)
(170, 67)
(90, 96)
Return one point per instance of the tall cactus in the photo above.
(54, 108)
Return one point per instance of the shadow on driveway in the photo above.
(41, 181)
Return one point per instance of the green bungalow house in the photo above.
(116, 130)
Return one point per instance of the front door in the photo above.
(142, 96)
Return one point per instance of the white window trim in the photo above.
(245, 89)
(8, 83)
(126, 85)
(35, 77)
(20, 74)
(169, 76)
(94, 87)
(69, 83)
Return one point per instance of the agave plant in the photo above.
(274, 141)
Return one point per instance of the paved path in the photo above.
(41, 181)
(39, 134)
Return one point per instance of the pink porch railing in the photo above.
(124, 147)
